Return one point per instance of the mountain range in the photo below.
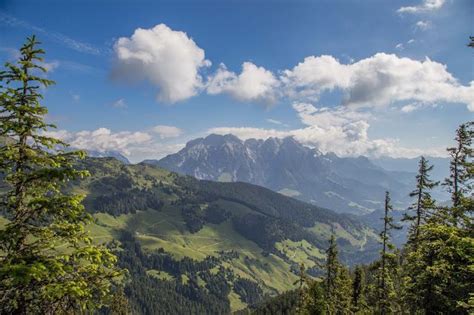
(345, 184)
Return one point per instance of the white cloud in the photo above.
(399, 46)
(341, 130)
(314, 75)
(252, 84)
(168, 59)
(103, 139)
(167, 131)
(250, 132)
(411, 41)
(423, 25)
(120, 103)
(379, 80)
(172, 62)
(425, 6)
(276, 122)
(137, 146)
(411, 107)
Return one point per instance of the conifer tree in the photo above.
(311, 296)
(385, 272)
(48, 263)
(423, 201)
(315, 303)
(358, 302)
(332, 265)
(460, 180)
(440, 275)
(337, 283)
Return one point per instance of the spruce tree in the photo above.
(358, 290)
(460, 180)
(311, 296)
(337, 283)
(423, 201)
(48, 263)
(332, 265)
(386, 270)
(440, 278)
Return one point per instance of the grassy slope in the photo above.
(166, 229)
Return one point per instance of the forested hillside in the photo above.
(214, 247)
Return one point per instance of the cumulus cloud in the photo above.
(341, 130)
(314, 75)
(103, 139)
(423, 25)
(425, 6)
(252, 84)
(137, 146)
(167, 131)
(168, 59)
(379, 80)
(409, 108)
(172, 62)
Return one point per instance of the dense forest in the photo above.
(49, 264)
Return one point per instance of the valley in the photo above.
(250, 232)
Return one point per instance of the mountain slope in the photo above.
(229, 244)
(354, 185)
(194, 246)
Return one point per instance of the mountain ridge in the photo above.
(284, 165)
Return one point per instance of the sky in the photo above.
(374, 78)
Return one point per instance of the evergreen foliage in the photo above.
(423, 201)
(433, 274)
(48, 263)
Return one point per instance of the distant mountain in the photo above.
(114, 154)
(354, 185)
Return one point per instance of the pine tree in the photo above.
(358, 301)
(337, 283)
(423, 201)
(439, 271)
(459, 182)
(332, 265)
(315, 299)
(48, 263)
(385, 291)
(311, 296)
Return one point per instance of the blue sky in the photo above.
(354, 77)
